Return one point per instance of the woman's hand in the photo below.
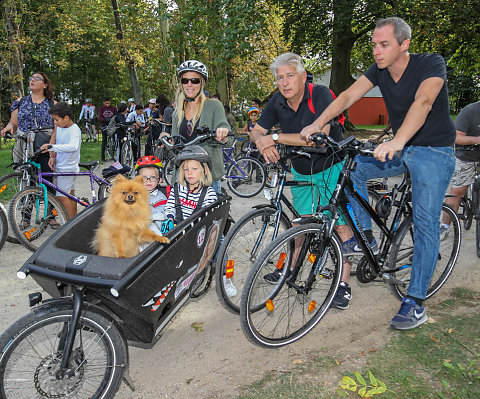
(222, 133)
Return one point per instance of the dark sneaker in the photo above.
(409, 316)
(351, 247)
(343, 297)
(273, 277)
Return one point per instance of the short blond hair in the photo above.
(205, 179)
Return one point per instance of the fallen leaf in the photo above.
(362, 353)
(339, 362)
(450, 330)
(434, 339)
(197, 326)
(297, 361)
(372, 350)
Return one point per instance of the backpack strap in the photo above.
(201, 198)
(310, 100)
(178, 206)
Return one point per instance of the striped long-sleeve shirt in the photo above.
(188, 201)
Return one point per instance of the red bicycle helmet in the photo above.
(148, 161)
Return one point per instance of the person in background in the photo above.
(88, 113)
(252, 114)
(131, 105)
(162, 113)
(64, 151)
(467, 159)
(150, 109)
(105, 113)
(137, 119)
(230, 118)
(194, 109)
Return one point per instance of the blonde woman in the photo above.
(194, 110)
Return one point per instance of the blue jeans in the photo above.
(430, 171)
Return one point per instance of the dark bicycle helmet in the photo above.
(194, 66)
(149, 161)
(196, 153)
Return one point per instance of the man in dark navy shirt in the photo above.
(296, 105)
(414, 87)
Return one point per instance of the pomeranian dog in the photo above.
(125, 220)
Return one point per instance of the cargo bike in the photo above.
(75, 344)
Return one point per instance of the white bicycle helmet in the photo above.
(131, 100)
(194, 66)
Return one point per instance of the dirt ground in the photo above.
(219, 361)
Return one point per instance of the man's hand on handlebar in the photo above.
(307, 131)
(386, 151)
(8, 128)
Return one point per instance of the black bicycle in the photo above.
(251, 234)
(309, 261)
(470, 207)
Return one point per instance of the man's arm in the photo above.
(463, 139)
(264, 143)
(425, 96)
(347, 98)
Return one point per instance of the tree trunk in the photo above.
(15, 63)
(343, 40)
(126, 56)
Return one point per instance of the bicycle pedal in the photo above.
(86, 200)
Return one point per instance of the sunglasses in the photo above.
(195, 81)
(37, 78)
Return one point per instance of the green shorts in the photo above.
(305, 198)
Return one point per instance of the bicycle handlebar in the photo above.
(203, 135)
(350, 144)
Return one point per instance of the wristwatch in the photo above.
(275, 137)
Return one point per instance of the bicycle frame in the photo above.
(339, 200)
(42, 182)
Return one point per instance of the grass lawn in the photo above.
(436, 360)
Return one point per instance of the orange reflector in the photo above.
(281, 260)
(311, 258)
(269, 305)
(311, 306)
(2, 189)
(54, 212)
(229, 269)
(28, 233)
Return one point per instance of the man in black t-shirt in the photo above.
(414, 87)
(296, 105)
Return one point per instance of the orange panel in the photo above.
(368, 111)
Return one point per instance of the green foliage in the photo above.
(365, 390)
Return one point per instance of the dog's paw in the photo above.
(163, 240)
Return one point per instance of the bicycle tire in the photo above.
(246, 177)
(168, 171)
(104, 189)
(294, 308)
(109, 152)
(468, 210)
(3, 226)
(10, 185)
(31, 354)
(26, 216)
(403, 249)
(243, 244)
(476, 213)
(126, 156)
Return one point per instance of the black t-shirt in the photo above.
(278, 111)
(438, 129)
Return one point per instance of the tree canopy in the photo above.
(79, 44)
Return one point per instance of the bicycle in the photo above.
(7, 142)
(32, 209)
(470, 206)
(111, 145)
(87, 132)
(254, 231)
(24, 174)
(309, 262)
(129, 146)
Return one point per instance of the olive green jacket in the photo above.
(213, 116)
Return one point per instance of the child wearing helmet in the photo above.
(192, 190)
(253, 114)
(150, 168)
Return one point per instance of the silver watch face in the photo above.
(275, 137)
